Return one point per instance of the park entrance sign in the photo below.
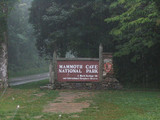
(83, 73)
(78, 70)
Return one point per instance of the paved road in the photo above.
(27, 79)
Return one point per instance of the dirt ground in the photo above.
(66, 102)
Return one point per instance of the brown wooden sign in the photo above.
(80, 71)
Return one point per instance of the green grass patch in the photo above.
(106, 105)
(127, 105)
(30, 98)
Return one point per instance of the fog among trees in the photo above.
(22, 52)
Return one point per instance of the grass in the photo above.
(30, 98)
(125, 105)
(106, 105)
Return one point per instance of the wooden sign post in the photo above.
(100, 62)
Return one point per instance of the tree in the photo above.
(130, 30)
(76, 26)
(136, 37)
(3, 42)
(22, 52)
(157, 4)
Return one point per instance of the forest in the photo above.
(128, 29)
(23, 56)
(22, 53)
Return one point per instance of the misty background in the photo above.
(22, 52)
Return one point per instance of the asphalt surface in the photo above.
(28, 79)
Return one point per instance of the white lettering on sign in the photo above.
(70, 71)
(92, 71)
(70, 68)
(91, 68)
(77, 71)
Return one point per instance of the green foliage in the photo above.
(76, 26)
(136, 39)
(135, 28)
(3, 22)
(130, 29)
(4, 9)
(22, 52)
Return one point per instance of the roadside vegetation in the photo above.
(30, 71)
(23, 56)
(105, 105)
(30, 99)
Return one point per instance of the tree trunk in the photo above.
(55, 67)
(51, 73)
(101, 62)
(4, 48)
(4, 63)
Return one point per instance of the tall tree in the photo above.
(3, 42)
(76, 26)
(131, 30)
(22, 52)
(136, 37)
